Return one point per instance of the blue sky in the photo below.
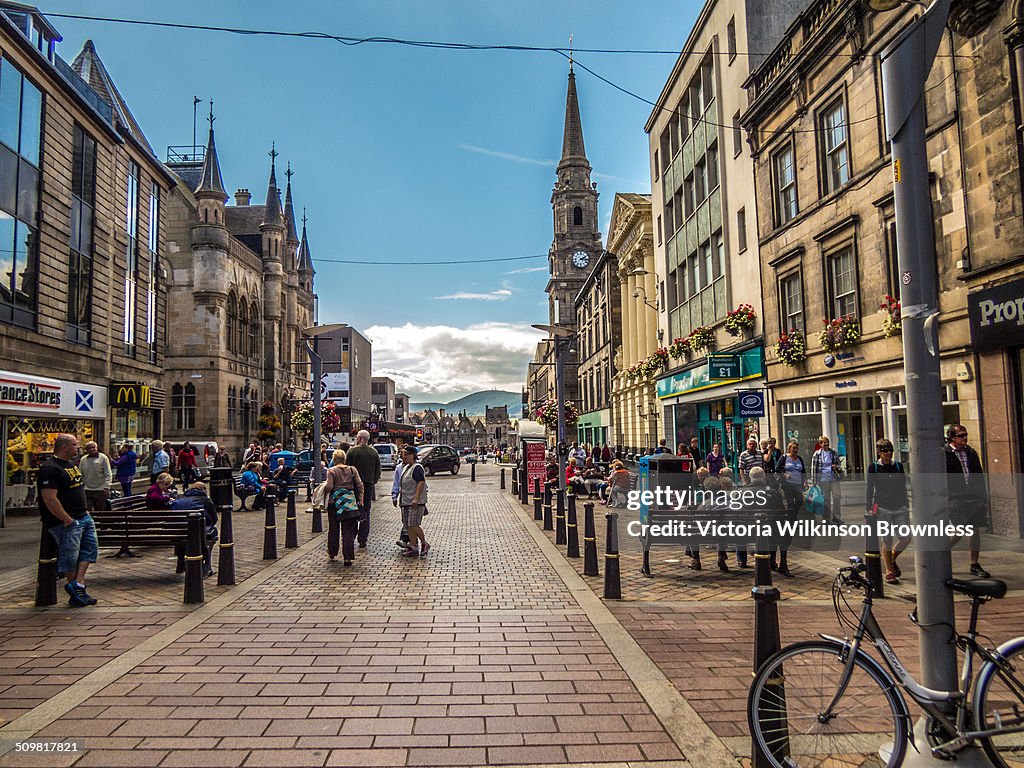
(404, 153)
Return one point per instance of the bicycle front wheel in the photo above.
(787, 705)
(999, 703)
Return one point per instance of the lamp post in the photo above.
(317, 364)
(562, 340)
(646, 416)
(246, 405)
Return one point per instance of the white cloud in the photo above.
(437, 361)
(507, 156)
(500, 295)
(526, 270)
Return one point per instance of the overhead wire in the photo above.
(431, 263)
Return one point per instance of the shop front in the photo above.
(592, 428)
(135, 410)
(721, 401)
(33, 411)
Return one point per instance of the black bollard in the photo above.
(472, 472)
(270, 527)
(559, 517)
(333, 535)
(515, 482)
(318, 520)
(501, 485)
(194, 558)
(46, 573)
(549, 524)
(766, 634)
(612, 581)
(220, 494)
(524, 485)
(291, 523)
(872, 556)
(589, 541)
(537, 511)
(572, 535)
(309, 495)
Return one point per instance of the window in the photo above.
(232, 322)
(791, 303)
(242, 330)
(232, 407)
(577, 216)
(131, 268)
(741, 230)
(842, 284)
(712, 165)
(737, 136)
(708, 82)
(700, 180)
(892, 258)
(688, 201)
(21, 110)
(835, 147)
(659, 230)
(83, 190)
(254, 332)
(183, 406)
(657, 169)
(784, 177)
(730, 39)
(154, 265)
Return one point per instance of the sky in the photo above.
(405, 153)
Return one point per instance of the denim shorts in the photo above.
(76, 543)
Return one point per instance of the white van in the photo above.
(388, 455)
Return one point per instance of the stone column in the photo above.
(885, 397)
(829, 427)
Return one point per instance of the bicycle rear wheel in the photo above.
(867, 728)
(999, 702)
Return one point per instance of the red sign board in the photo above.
(536, 463)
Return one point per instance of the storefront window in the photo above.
(29, 444)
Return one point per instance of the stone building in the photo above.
(496, 425)
(598, 323)
(826, 226)
(82, 291)
(240, 290)
(706, 245)
(631, 243)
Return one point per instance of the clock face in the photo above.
(580, 259)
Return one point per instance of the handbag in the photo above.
(343, 503)
(814, 500)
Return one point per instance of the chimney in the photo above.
(242, 196)
(440, 412)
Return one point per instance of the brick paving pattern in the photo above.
(475, 655)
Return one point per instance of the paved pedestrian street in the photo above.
(494, 650)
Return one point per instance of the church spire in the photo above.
(272, 211)
(305, 260)
(211, 184)
(573, 151)
(289, 212)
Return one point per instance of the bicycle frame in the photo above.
(930, 700)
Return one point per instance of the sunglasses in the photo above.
(885, 450)
(960, 434)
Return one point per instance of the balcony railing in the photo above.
(186, 155)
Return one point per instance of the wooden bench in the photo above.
(128, 523)
(243, 492)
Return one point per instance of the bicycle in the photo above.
(828, 702)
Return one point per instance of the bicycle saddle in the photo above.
(978, 587)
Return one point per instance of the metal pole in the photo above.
(560, 447)
(906, 63)
(316, 363)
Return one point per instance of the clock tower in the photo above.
(577, 243)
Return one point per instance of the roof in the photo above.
(190, 173)
(244, 219)
(573, 150)
(90, 68)
(272, 215)
(289, 212)
(210, 182)
(305, 260)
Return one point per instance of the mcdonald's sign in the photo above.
(129, 395)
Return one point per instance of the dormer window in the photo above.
(32, 24)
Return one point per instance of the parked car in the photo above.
(388, 455)
(439, 458)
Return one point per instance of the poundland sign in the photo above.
(997, 316)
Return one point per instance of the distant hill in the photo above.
(475, 403)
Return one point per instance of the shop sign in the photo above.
(29, 394)
(83, 400)
(694, 379)
(751, 405)
(722, 367)
(129, 395)
(997, 316)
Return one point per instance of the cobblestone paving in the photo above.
(476, 655)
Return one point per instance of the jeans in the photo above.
(76, 543)
(369, 495)
(348, 539)
(126, 485)
(830, 489)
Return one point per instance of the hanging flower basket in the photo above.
(702, 339)
(302, 419)
(679, 347)
(547, 414)
(892, 321)
(791, 348)
(839, 333)
(739, 320)
(655, 363)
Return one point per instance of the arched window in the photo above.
(243, 322)
(232, 407)
(577, 216)
(190, 406)
(254, 331)
(183, 406)
(232, 321)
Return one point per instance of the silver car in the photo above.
(388, 455)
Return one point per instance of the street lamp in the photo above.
(561, 337)
(640, 291)
(246, 405)
(317, 364)
(646, 416)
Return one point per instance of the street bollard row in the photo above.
(559, 517)
(538, 513)
(589, 541)
(291, 523)
(612, 577)
(220, 494)
(194, 558)
(572, 537)
(548, 522)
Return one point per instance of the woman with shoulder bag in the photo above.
(344, 498)
(790, 470)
